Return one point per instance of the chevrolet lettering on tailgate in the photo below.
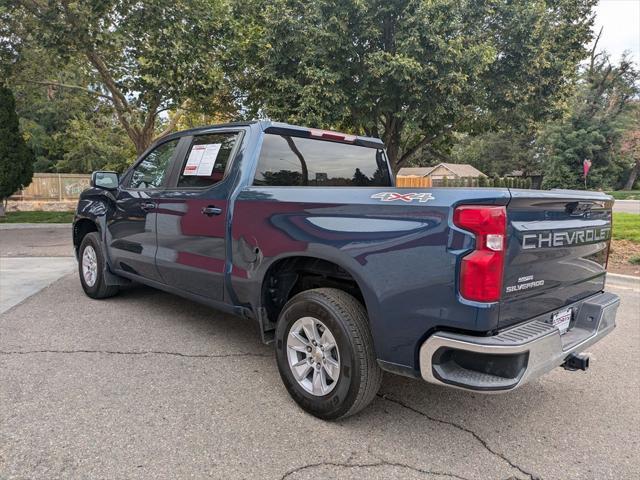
(563, 239)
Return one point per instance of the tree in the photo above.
(411, 72)
(47, 112)
(630, 147)
(94, 143)
(360, 179)
(497, 153)
(16, 159)
(146, 57)
(599, 116)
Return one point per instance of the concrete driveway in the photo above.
(148, 385)
(32, 257)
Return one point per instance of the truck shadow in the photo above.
(228, 332)
(208, 329)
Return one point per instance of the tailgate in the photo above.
(558, 243)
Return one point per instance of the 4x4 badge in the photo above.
(403, 197)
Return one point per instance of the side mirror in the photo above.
(104, 180)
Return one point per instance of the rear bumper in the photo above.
(514, 356)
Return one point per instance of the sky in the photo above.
(621, 22)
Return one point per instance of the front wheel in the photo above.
(91, 268)
(325, 354)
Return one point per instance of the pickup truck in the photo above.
(303, 230)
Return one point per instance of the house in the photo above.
(441, 171)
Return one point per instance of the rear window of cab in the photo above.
(293, 161)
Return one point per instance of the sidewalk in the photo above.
(21, 277)
(32, 257)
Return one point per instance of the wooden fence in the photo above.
(413, 182)
(471, 182)
(54, 186)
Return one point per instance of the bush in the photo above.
(16, 158)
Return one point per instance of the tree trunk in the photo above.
(303, 162)
(393, 154)
(140, 145)
(3, 204)
(632, 176)
(393, 149)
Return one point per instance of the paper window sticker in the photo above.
(208, 160)
(193, 162)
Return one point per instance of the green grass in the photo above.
(626, 226)
(37, 217)
(625, 194)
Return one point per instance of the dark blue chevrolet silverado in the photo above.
(303, 230)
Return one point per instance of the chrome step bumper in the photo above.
(507, 360)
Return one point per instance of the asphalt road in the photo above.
(44, 240)
(148, 385)
(628, 206)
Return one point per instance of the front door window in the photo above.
(151, 172)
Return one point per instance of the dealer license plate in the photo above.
(561, 320)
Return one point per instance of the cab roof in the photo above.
(280, 128)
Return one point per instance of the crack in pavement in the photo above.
(147, 352)
(379, 463)
(462, 428)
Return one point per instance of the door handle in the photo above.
(211, 210)
(146, 206)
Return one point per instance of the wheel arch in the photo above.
(81, 228)
(292, 274)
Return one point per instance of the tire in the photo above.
(94, 286)
(359, 376)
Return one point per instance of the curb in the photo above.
(18, 226)
(623, 280)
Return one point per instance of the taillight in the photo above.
(481, 270)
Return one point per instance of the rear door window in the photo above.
(294, 161)
(207, 160)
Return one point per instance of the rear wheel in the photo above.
(325, 353)
(91, 268)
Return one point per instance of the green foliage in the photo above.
(44, 110)
(598, 118)
(144, 57)
(484, 83)
(630, 146)
(16, 158)
(410, 72)
(634, 260)
(625, 194)
(93, 144)
(626, 226)
(38, 217)
(68, 130)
